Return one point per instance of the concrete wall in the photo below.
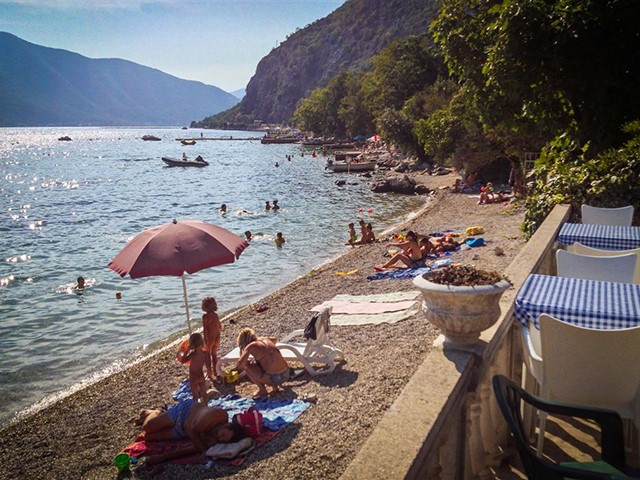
(446, 423)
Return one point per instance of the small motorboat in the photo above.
(64, 139)
(185, 162)
(351, 166)
(187, 142)
(152, 138)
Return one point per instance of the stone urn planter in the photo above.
(461, 301)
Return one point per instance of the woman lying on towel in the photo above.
(205, 426)
(268, 366)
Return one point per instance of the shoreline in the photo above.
(170, 341)
(78, 436)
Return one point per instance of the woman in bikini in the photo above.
(410, 254)
(268, 366)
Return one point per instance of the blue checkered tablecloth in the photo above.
(587, 303)
(610, 237)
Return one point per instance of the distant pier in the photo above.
(229, 138)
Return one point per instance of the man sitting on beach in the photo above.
(203, 425)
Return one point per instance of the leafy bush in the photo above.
(565, 174)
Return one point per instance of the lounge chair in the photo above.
(317, 349)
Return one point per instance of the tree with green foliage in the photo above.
(352, 110)
(399, 71)
(564, 173)
(551, 66)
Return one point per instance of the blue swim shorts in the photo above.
(178, 414)
(279, 378)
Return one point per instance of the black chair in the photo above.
(612, 466)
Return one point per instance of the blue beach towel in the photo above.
(276, 412)
(399, 273)
(183, 392)
(403, 273)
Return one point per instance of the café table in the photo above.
(609, 237)
(586, 303)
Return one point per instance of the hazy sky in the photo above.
(218, 42)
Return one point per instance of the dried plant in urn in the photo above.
(462, 301)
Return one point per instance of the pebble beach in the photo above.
(79, 436)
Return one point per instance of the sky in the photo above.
(217, 42)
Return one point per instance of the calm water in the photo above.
(69, 207)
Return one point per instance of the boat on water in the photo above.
(187, 142)
(64, 139)
(152, 138)
(346, 154)
(185, 162)
(351, 166)
(278, 139)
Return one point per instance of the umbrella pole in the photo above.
(186, 301)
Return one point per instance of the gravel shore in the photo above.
(78, 437)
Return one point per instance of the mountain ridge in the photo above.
(42, 86)
(345, 39)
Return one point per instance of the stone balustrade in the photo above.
(446, 424)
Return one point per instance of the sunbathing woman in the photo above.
(410, 252)
(445, 244)
(426, 247)
(203, 425)
(269, 366)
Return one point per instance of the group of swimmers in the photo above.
(415, 249)
(273, 205)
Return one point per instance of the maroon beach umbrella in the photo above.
(175, 248)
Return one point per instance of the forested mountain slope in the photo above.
(346, 39)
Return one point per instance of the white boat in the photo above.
(351, 166)
(179, 162)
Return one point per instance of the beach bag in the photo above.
(474, 230)
(251, 422)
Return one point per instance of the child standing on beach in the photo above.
(212, 329)
(353, 236)
(198, 358)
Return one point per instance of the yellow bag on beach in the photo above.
(474, 231)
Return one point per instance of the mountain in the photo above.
(240, 93)
(45, 86)
(346, 39)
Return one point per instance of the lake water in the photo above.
(69, 207)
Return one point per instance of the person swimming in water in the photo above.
(280, 240)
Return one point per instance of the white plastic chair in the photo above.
(607, 216)
(618, 268)
(597, 368)
(597, 252)
(319, 350)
